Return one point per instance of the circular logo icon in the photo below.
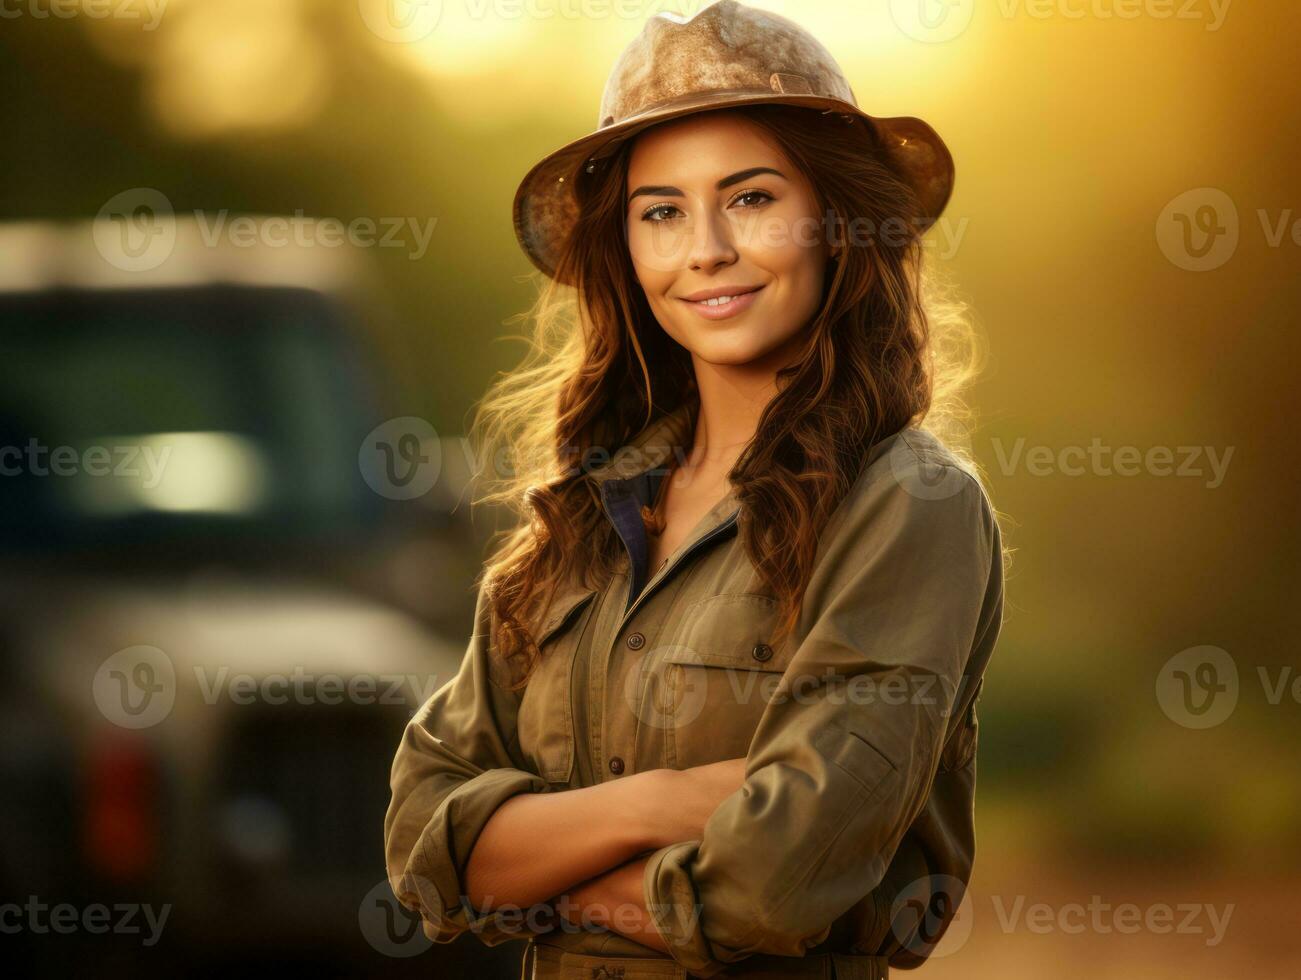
(135, 231)
(401, 21)
(135, 687)
(936, 907)
(390, 927)
(921, 478)
(1199, 230)
(932, 21)
(666, 248)
(401, 459)
(1198, 687)
(667, 695)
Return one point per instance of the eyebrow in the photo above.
(669, 191)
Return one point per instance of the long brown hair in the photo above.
(887, 348)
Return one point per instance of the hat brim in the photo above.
(545, 209)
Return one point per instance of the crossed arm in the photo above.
(851, 773)
(584, 851)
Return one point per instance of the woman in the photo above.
(717, 714)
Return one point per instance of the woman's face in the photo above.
(714, 207)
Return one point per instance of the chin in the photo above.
(730, 348)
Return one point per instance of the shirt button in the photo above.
(616, 765)
(636, 641)
(762, 651)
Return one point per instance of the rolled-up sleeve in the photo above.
(843, 759)
(451, 772)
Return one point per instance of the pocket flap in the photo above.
(731, 630)
(857, 756)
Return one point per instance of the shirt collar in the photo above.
(650, 448)
(628, 471)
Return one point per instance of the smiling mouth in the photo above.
(725, 307)
(721, 300)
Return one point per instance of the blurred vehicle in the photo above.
(213, 627)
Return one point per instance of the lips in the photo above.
(725, 304)
(720, 292)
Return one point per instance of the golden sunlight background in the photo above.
(1127, 227)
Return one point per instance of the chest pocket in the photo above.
(718, 677)
(546, 711)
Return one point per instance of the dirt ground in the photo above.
(1129, 924)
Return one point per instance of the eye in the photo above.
(648, 214)
(764, 197)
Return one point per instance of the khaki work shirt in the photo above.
(853, 832)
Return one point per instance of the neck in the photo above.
(732, 397)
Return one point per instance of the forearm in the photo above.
(614, 901)
(538, 844)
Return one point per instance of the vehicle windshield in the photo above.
(177, 412)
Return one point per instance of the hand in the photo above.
(613, 901)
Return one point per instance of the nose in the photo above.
(712, 245)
